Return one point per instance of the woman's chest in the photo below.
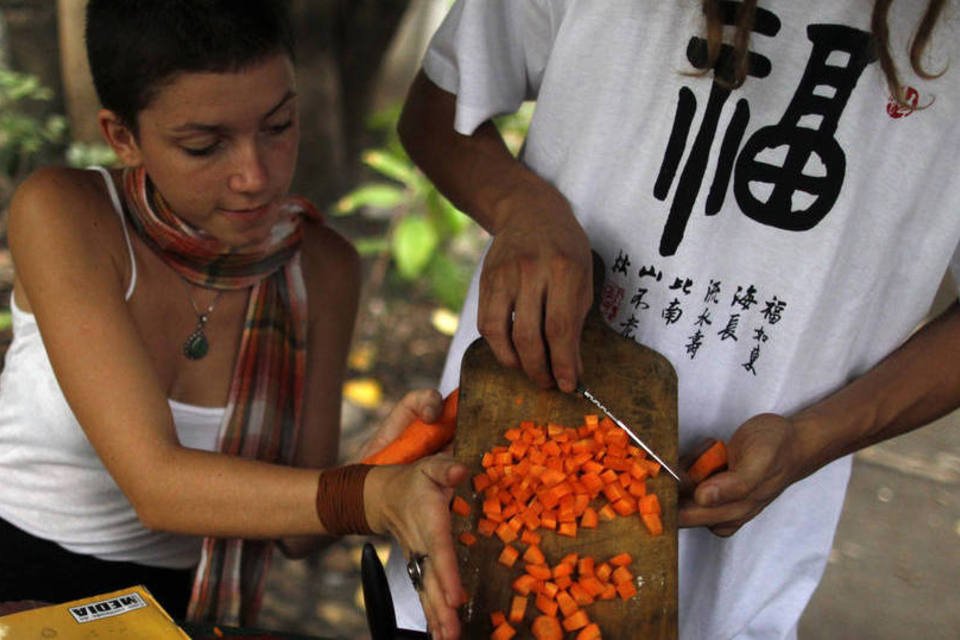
(191, 334)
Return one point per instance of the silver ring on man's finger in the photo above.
(415, 570)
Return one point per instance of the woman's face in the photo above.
(222, 148)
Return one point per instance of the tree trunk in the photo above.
(340, 46)
(80, 97)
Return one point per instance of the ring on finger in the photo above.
(415, 570)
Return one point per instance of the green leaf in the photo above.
(413, 243)
(449, 281)
(378, 195)
(450, 220)
(371, 246)
(391, 166)
(6, 320)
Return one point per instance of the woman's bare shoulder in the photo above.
(328, 255)
(76, 198)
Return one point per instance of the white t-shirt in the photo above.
(773, 242)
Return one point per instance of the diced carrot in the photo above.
(538, 571)
(626, 590)
(621, 559)
(524, 584)
(486, 527)
(567, 529)
(460, 506)
(589, 518)
(591, 585)
(590, 632)
(508, 556)
(650, 503)
(534, 555)
(620, 575)
(480, 482)
(577, 620)
(562, 569)
(518, 607)
(546, 627)
(585, 566)
(580, 594)
(506, 533)
(497, 618)
(530, 537)
(545, 604)
(467, 538)
(550, 589)
(503, 631)
(566, 603)
(653, 523)
(603, 571)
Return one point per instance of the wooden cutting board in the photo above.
(637, 384)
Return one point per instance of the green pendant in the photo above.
(196, 345)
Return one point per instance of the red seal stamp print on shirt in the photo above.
(911, 96)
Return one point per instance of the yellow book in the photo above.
(127, 613)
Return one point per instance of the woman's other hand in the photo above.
(412, 503)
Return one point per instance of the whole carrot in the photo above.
(419, 438)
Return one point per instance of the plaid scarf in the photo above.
(263, 410)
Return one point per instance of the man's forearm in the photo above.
(913, 386)
(477, 172)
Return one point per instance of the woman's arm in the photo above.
(913, 386)
(536, 284)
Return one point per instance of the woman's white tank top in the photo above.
(52, 483)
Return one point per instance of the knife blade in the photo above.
(583, 391)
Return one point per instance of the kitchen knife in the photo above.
(633, 436)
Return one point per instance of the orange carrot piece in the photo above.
(620, 575)
(626, 590)
(518, 607)
(486, 527)
(534, 555)
(497, 618)
(546, 627)
(419, 438)
(711, 461)
(566, 603)
(650, 503)
(460, 506)
(538, 571)
(508, 556)
(585, 566)
(506, 533)
(603, 571)
(589, 518)
(503, 631)
(550, 589)
(653, 523)
(590, 632)
(524, 584)
(577, 620)
(467, 538)
(529, 537)
(621, 559)
(546, 604)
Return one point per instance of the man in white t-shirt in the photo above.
(778, 242)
